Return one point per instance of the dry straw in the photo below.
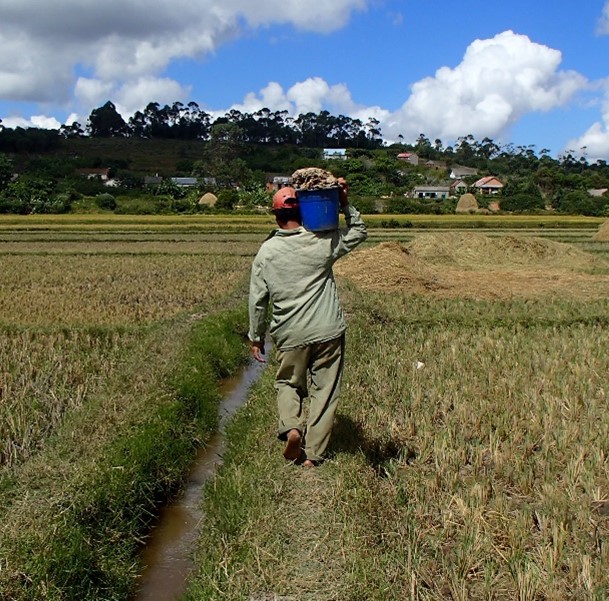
(603, 232)
(473, 265)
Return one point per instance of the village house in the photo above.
(458, 187)
(334, 154)
(489, 185)
(276, 182)
(408, 157)
(437, 165)
(459, 172)
(102, 173)
(431, 192)
(185, 182)
(152, 180)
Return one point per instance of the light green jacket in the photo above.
(293, 270)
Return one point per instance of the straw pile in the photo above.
(208, 199)
(472, 250)
(467, 204)
(472, 265)
(603, 232)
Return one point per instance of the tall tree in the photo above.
(106, 122)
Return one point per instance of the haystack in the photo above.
(387, 266)
(472, 265)
(467, 204)
(477, 251)
(603, 232)
(208, 199)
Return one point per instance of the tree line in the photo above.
(180, 121)
(238, 150)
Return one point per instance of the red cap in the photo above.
(285, 198)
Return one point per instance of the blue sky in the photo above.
(523, 72)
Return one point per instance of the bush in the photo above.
(394, 224)
(416, 206)
(521, 202)
(227, 199)
(106, 201)
(579, 202)
(365, 205)
(142, 205)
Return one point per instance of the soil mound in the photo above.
(472, 265)
(603, 232)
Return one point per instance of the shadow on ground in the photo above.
(348, 436)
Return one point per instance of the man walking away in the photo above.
(293, 271)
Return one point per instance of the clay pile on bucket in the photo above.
(313, 178)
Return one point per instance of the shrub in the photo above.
(106, 201)
(522, 202)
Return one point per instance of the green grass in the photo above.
(73, 514)
(106, 392)
(482, 475)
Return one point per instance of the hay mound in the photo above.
(471, 265)
(313, 178)
(472, 250)
(388, 266)
(467, 204)
(208, 199)
(603, 232)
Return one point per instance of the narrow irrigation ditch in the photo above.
(168, 553)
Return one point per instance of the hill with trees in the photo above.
(235, 155)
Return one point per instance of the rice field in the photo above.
(469, 459)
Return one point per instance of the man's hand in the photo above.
(343, 193)
(258, 351)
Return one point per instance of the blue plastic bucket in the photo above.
(319, 209)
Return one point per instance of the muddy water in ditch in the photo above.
(167, 556)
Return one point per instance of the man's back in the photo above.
(294, 268)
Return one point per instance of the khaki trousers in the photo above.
(320, 364)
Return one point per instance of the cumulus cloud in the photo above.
(124, 41)
(37, 121)
(311, 95)
(132, 95)
(594, 142)
(498, 81)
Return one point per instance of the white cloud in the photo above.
(594, 142)
(92, 92)
(311, 95)
(603, 22)
(125, 41)
(37, 121)
(498, 81)
(135, 95)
